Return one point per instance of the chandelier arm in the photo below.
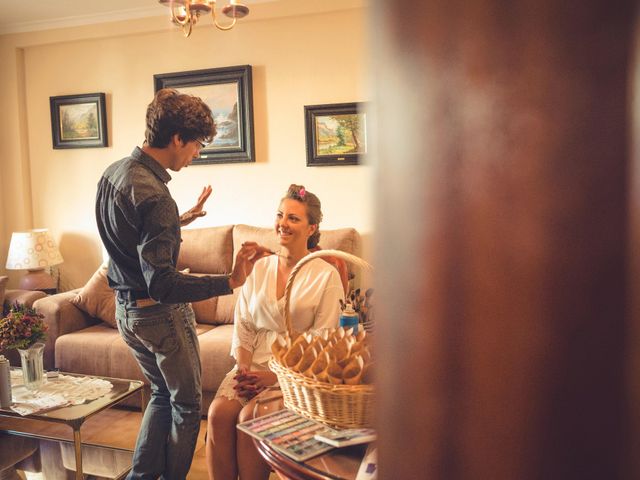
(187, 17)
(218, 25)
(185, 13)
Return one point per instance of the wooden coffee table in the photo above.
(75, 415)
(337, 464)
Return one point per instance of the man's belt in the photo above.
(140, 297)
(132, 295)
(145, 302)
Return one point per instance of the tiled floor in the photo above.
(114, 427)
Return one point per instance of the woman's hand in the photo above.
(251, 383)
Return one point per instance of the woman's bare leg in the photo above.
(251, 465)
(221, 439)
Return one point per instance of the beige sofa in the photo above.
(80, 343)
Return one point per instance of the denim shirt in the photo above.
(139, 225)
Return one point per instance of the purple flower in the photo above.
(21, 328)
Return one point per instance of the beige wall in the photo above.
(302, 54)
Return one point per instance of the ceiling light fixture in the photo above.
(186, 13)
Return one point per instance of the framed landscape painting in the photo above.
(79, 121)
(228, 92)
(336, 134)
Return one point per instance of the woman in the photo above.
(314, 305)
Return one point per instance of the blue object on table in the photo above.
(349, 319)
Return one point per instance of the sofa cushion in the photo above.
(226, 306)
(100, 350)
(206, 310)
(206, 250)
(89, 351)
(345, 239)
(247, 233)
(215, 353)
(97, 299)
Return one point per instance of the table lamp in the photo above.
(34, 251)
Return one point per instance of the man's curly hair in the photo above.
(173, 112)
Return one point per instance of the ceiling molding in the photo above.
(60, 14)
(78, 20)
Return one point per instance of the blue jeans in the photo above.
(163, 340)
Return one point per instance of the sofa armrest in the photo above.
(62, 317)
(26, 297)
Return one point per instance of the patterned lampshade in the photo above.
(33, 250)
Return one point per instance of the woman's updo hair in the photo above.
(314, 210)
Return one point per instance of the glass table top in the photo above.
(35, 457)
(68, 414)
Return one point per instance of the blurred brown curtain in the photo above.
(506, 238)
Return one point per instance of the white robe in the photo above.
(259, 317)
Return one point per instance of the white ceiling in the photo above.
(30, 15)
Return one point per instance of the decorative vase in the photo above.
(32, 365)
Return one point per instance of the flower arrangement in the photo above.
(21, 328)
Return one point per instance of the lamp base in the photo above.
(38, 280)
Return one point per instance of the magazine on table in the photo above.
(349, 436)
(289, 433)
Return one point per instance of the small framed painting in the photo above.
(228, 91)
(336, 134)
(79, 121)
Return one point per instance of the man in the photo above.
(140, 227)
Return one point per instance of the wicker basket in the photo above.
(342, 406)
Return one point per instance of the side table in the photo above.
(337, 464)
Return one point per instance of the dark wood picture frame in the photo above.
(220, 88)
(335, 134)
(79, 121)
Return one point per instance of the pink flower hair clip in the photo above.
(301, 193)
